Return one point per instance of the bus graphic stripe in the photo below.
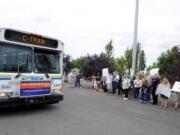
(34, 92)
(35, 85)
(32, 88)
(56, 78)
(5, 77)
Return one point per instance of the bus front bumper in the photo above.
(15, 102)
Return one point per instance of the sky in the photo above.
(86, 26)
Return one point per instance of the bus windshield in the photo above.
(15, 59)
(46, 61)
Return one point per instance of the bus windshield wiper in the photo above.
(19, 72)
(46, 74)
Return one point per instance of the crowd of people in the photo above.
(143, 88)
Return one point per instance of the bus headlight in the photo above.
(2, 94)
(57, 91)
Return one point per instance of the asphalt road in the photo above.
(85, 112)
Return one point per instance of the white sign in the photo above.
(164, 90)
(176, 87)
(105, 72)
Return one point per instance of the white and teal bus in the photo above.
(30, 68)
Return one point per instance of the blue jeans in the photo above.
(136, 93)
(114, 87)
(77, 84)
(145, 95)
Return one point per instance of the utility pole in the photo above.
(134, 55)
(138, 57)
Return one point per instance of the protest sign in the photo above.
(176, 86)
(105, 72)
(164, 90)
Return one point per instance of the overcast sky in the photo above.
(86, 26)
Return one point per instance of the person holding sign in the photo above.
(164, 91)
(176, 90)
(109, 83)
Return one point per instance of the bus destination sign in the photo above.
(30, 39)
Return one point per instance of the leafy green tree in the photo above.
(109, 49)
(120, 64)
(166, 58)
(128, 58)
(169, 64)
(67, 64)
(78, 63)
(142, 60)
(153, 65)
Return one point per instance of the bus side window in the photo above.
(2, 62)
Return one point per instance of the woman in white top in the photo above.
(126, 86)
(137, 86)
(109, 83)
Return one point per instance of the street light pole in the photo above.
(134, 55)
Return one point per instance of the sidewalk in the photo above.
(86, 84)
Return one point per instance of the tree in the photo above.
(109, 49)
(172, 71)
(95, 63)
(120, 64)
(166, 58)
(153, 65)
(142, 60)
(128, 58)
(67, 65)
(78, 63)
(169, 64)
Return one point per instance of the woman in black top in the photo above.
(155, 83)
